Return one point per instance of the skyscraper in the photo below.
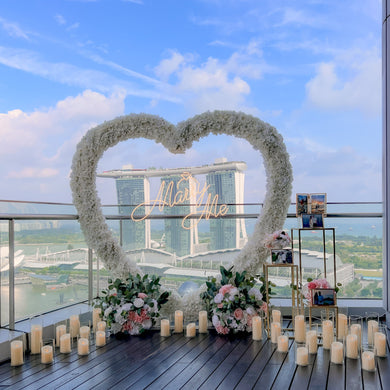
(228, 186)
(132, 191)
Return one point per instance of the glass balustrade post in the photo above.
(11, 272)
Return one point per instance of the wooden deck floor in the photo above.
(204, 362)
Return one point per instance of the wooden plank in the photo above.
(216, 344)
(319, 375)
(302, 375)
(353, 374)
(336, 377)
(286, 373)
(207, 370)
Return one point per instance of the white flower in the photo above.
(154, 308)
(234, 291)
(119, 318)
(256, 293)
(215, 320)
(127, 306)
(147, 324)
(218, 298)
(250, 310)
(115, 327)
(138, 302)
(107, 311)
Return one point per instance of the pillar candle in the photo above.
(47, 354)
(342, 326)
(65, 343)
(83, 346)
(257, 328)
(100, 338)
(16, 353)
(101, 325)
(352, 346)
(368, 361)
(191, 330)
(178, 321)
(357, 330)
(165, 328)
(302, 358)
(203, 324)
(96, 317)
(311, 341)
(276, 315)
(84, 332)
(372, 327)
(300, 329)
(275, 332)
(36, 338)
(282, 343)
(74, 325)
(380, 344)
(327, 334)
(60, 330)
(337, 352)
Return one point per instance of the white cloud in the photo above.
(13, 29)
(40, 145)
(60, 19)
(291, 16)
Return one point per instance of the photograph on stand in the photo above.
(281, 256)
(302, 204)
(323, 297)
(318, 204)
(312, 221)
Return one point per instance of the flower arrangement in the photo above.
(233, 301)
(131, 306)
(277, 240)
(261, 135)
(313, 284)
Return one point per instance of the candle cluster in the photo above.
(165, 329)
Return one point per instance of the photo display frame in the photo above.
(282, 256)
(323, 297)
(311, 204)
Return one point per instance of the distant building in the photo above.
(228, 185)
(224, 179)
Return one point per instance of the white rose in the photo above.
(218, 298)
(138, 302)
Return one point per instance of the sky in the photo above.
(310, 68)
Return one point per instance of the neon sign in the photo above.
(172, 194)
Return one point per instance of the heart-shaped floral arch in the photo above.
(177, 139)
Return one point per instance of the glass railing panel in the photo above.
(4, 280)
(26, 208)
(51, 266)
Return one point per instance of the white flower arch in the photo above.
(177, 139)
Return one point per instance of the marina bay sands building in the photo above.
(181, 195)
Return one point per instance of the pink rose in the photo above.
(238, 314)
(142, 295)
(225, 289)
(264, 307)
(312, 285)
(222, 329)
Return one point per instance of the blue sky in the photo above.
(310, 68)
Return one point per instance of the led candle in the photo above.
(342, 326)
(96, 317)
(191, 330)
(282, 343)
(100, 338)
(60, 330)
(327, 334)
(311, 341)
(16, 353)
(165, 328)
(275, 332)
(276, 315)
(36, 338)
(337, 352)
(74, 325)
(83, 346)
(352, 346)
(47, 354)
(101, 325)
(380, 344)
(65, 343)
(357, 330)
(203, 324)
(178, 321)
(257, 328)
(300, 329)
(368, 361)
(302, 358)
(84, 332)
(372, 327)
